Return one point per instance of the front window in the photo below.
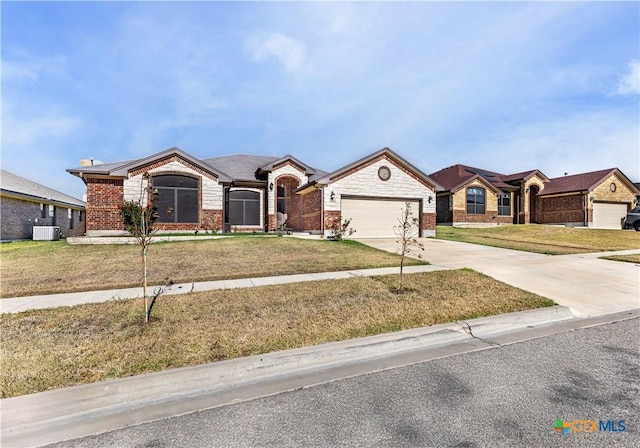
(243, 208)
(177, 198)
(282, 199)
(504, 204)
(475, 201)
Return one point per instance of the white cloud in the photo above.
(290, 52)
(27, 132)
(584, 142)
(629, 84)
(20, 66)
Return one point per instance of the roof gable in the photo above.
(382, 153)
(122, 169)
(455, 177)
(275, 164)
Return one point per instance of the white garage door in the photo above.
(608, 216)
(375, 218)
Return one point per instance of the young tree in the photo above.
(340, 229)
(407, 233)
(139, 218)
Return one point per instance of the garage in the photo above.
(608, 215)
(375, 217)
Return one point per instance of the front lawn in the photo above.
(49, 349)
(47, 267)
(543, 239)
(634, 258)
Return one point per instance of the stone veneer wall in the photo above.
(490, 215)
(364, 181)
(603, 192)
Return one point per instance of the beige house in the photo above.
(260, 193)
(599, 199)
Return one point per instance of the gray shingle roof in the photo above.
(13, 183)
(240, 167)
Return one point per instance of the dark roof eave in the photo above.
(41, 198)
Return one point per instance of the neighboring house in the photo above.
(25, 204)
(257, 193)
(597, 199)
(474, 195)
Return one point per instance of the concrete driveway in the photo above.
(585, 284)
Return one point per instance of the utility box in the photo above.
(46, 233)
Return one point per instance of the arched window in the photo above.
(475, 201)
(177, 199)
(243, 208)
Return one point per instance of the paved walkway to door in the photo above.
(586, 284)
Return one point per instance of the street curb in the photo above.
(63, 414)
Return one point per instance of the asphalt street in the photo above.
(505, 396)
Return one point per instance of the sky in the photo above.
(504, 86)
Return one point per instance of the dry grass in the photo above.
(32, 268)
(634, 258)
(544, 239)
(48, 349)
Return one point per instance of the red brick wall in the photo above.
(305, 211)
(210, 220)
(490, 216)
(429, 221)
(104, 198)
(560, 209)
(329, 218)
(272, 221)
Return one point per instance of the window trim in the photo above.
(473, 208)
(244, 201)
(502, 207)
(175, 207)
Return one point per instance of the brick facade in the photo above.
(561, 209)
(330, 217)
(104, 199)
(429, 222)
(308, 208)
(19, 216)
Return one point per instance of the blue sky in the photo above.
(506, 86)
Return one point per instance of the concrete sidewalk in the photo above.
(57, 415)
(19, 304)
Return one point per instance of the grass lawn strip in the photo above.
(543, 239)
(32, 268)
(49, 349)
(633, 258)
